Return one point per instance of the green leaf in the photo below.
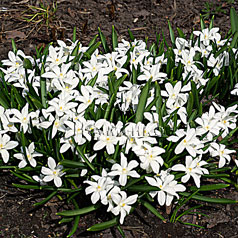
(180, 33)
(4, 102)
(114, 39)
(202, 22)
(190, 104)
(26, 186)
(104, 225)
(43, 88)
(27, 64)
(209, 199)
(195, 94)
(81, 211)
(19, 98)
(210, 187)
(46, 199)
(142, 102)
(109, 106)
(14, 48)
(234, 40)
(92, 81)
(131, 35)
(24, 177)
(211, 23)
(171, 32)
(142, 188)
(75, 226)
(152, 209)
(74, 34)
(83, 156)
(93, 41)
(66, 220)
(73, 164)
(234, 20)
(104, 42)
(91, 49)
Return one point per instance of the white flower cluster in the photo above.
(123, 150)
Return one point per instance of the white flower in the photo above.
(5, 145)
(54, 172)
(107, 138)
(207, 34)
(168, 188)
(218, 62)
(62, 105)
(187, 60)
(55, 58)
(174, 93)
(39, 179)
(6, 123)
(92, 67)
(152, 73)
(190, 142)
(150, 161)
(30, 154)
(76, 130)
(88, 95)
(15, 62)
(180, 44)
(107, 200)
(124, 170)
(99, 188)
(22, 117)
(192, 168)
(221, 151)
(59, 125)
(235, 90)
(226, 120)
(123, 204)
(208, 124)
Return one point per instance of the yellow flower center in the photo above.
(57, 60)
(124, 171)
(1, 146)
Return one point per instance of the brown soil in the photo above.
(18, 217)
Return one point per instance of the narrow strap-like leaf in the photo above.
(142, 102)
(104, 225)
(46, 199)
(152, 209)
(80, 211)
(209, 199)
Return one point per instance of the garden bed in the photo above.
(18, 216)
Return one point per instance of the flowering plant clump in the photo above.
(135, 125)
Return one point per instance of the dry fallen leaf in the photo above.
(15, 34)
